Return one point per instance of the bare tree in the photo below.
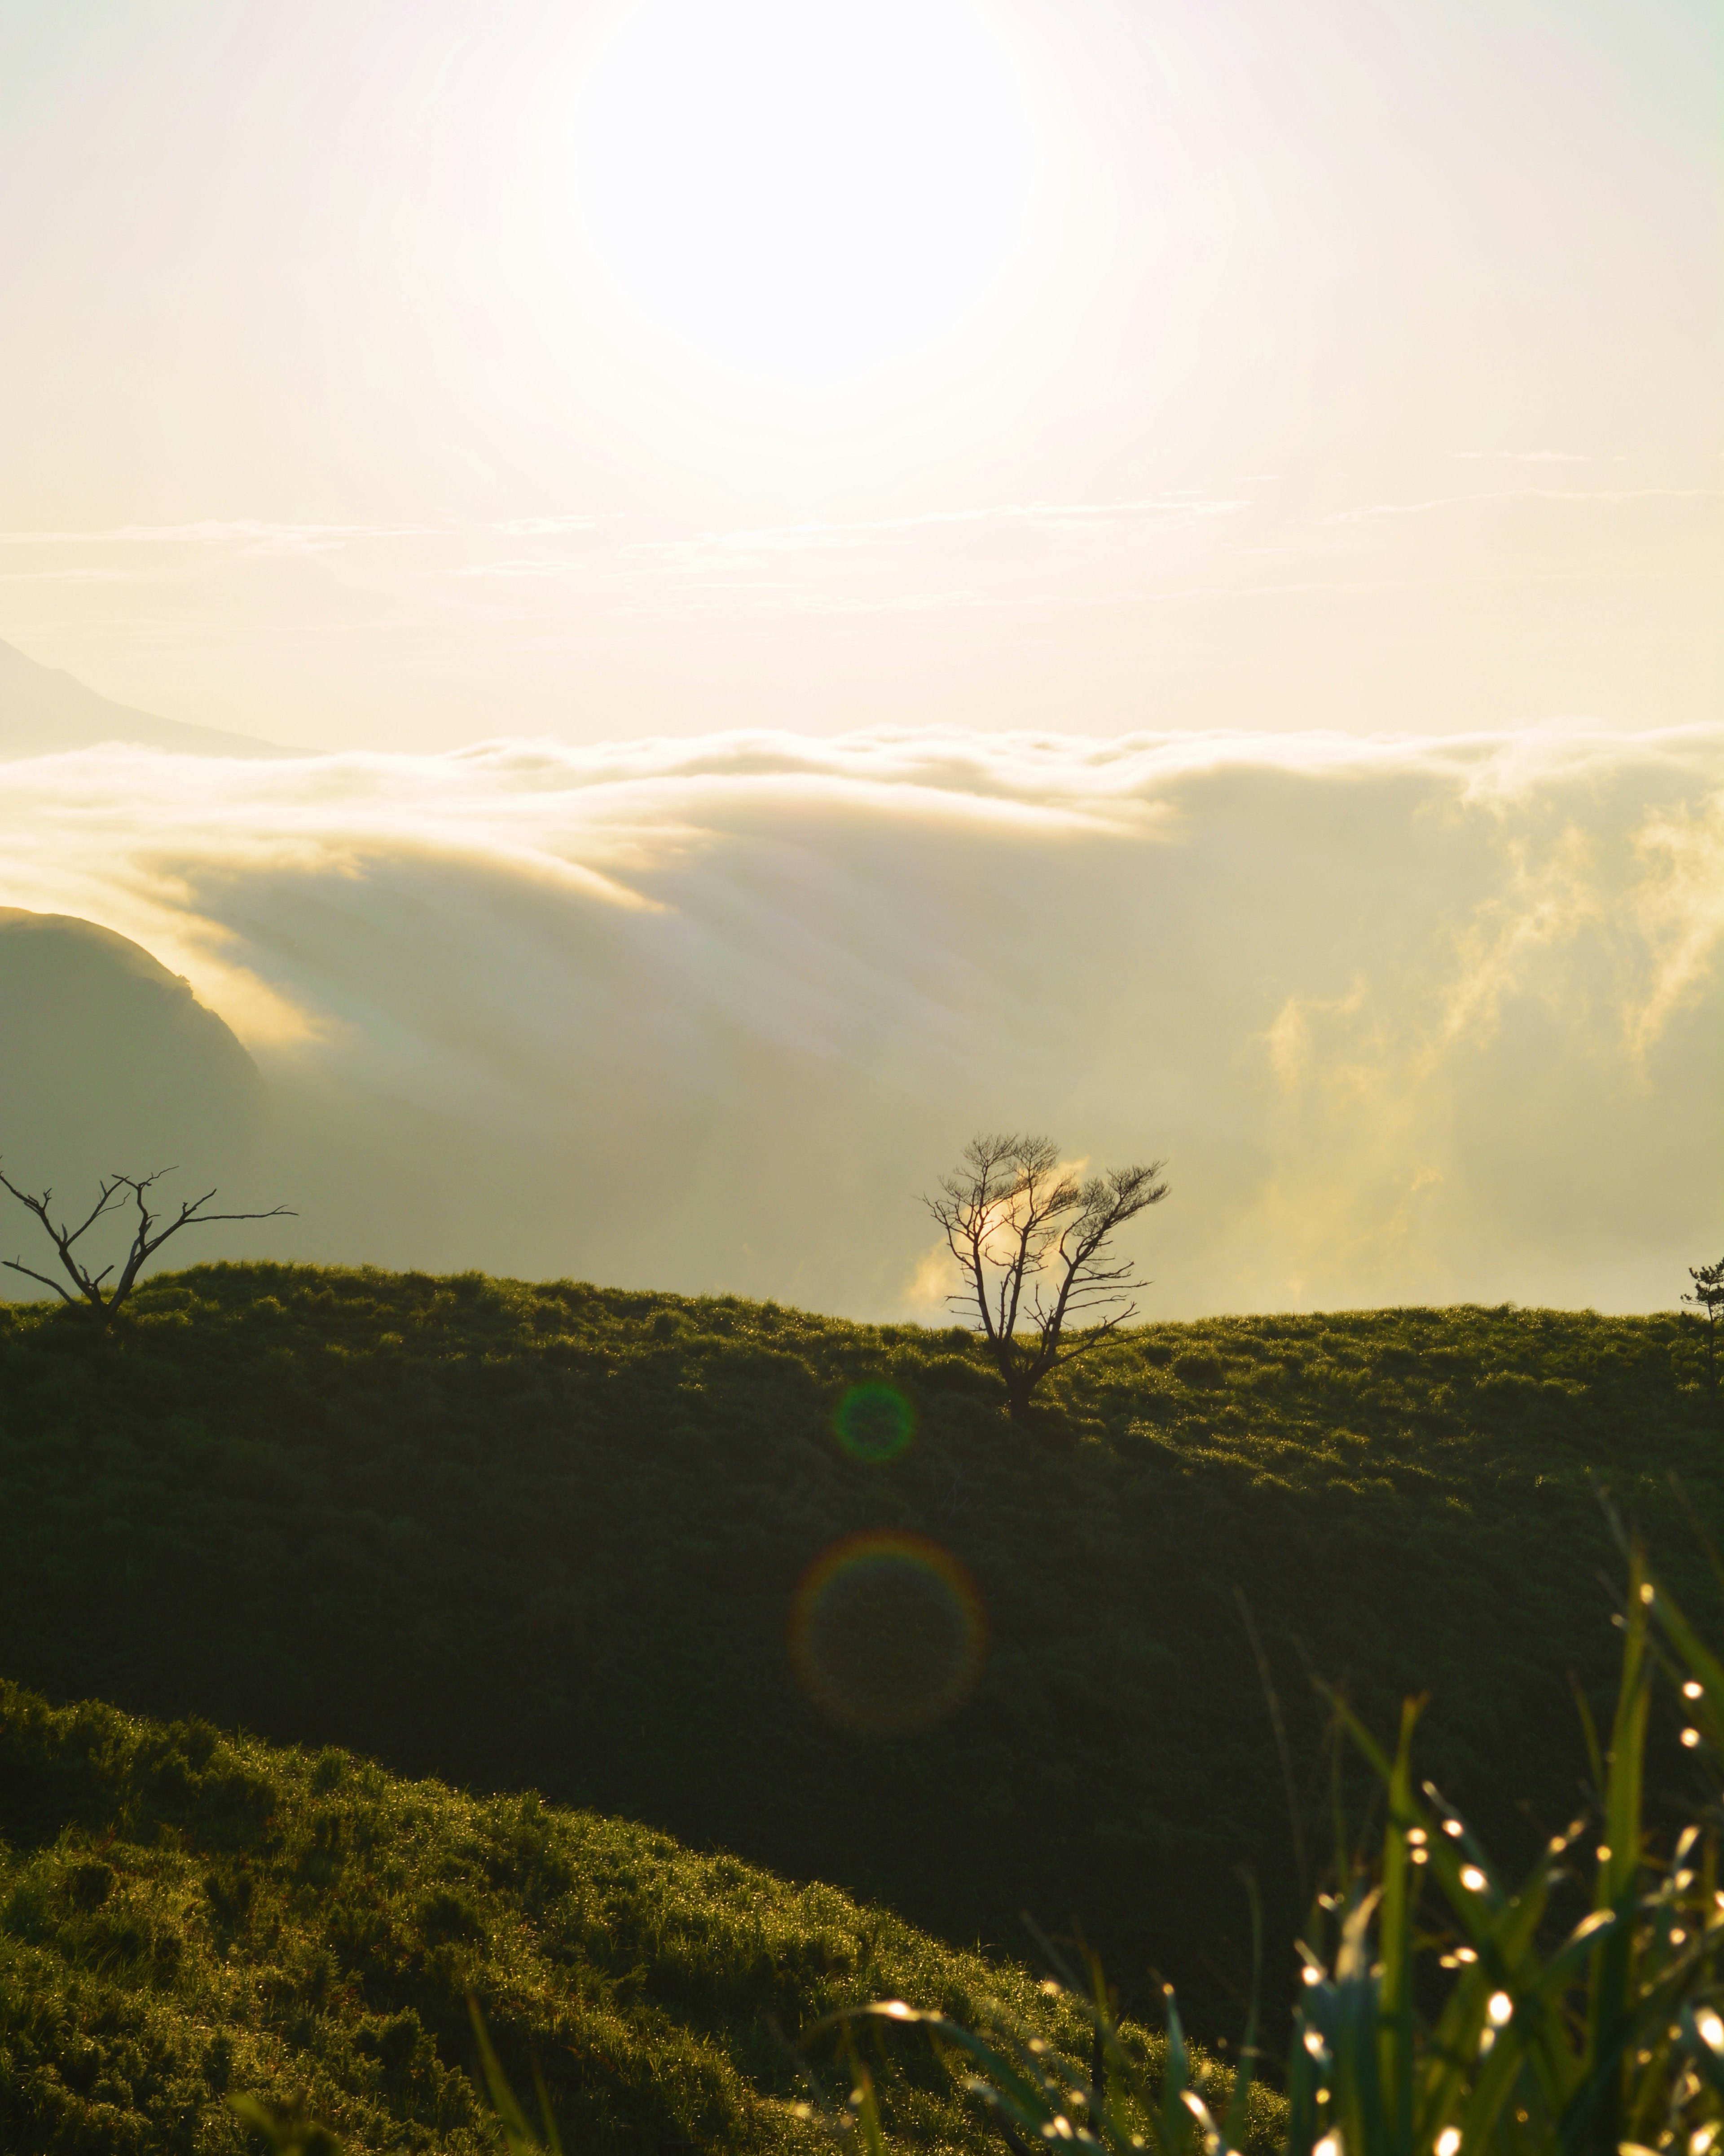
(151, 1233)
(1032, 1244)
(1709, 1296)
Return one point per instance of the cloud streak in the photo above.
(248, 533)
(818, 538)
(1608, 497)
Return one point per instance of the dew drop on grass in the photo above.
(1712, 2029)
(1449, 2141)
(1692, 1689)
(1473, 1879)
(1691, 1737)
(1501, 2007)
(1453, 1829)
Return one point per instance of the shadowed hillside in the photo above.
(549, 1536)
(108, 1061)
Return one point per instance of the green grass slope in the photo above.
(183, 1917)
(546, 1536)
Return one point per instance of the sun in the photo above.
(804, 192)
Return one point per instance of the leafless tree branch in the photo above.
(1032, 1245)
(147, 1237)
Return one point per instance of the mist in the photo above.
(1410, 1020)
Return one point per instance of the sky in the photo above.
(403, 376)
(851, 574)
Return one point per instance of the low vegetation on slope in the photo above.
(546, 1536)
(185, 1917)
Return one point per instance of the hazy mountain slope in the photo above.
(551, 1536)
(108, 1061)
(45, 711)
(182, 1916)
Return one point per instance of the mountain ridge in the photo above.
(46, 711)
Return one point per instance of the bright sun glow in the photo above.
(804, 191)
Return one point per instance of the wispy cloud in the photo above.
(1601, 495)
(822, 537)
(1524, 456)
(517, 566)
(248, 534)
(544, 527)
(78, 576)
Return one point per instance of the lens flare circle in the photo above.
(874, 1423)
(887, 1633)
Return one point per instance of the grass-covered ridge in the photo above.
(545, 1536)
(185, 1916)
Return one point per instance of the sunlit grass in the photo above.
(185, 1917)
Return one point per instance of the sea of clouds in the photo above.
(1410, 1019)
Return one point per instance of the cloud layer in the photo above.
(1412, 1020)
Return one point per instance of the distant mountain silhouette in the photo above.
(109, 1062)
(44, 711)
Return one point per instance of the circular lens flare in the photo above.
(874, 1423)
(887, 1633)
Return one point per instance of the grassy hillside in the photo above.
(547, 1537)
(183, 1917)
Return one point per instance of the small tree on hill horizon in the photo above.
(1708, 1295)
(1033, 1242)
(150, 1234)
